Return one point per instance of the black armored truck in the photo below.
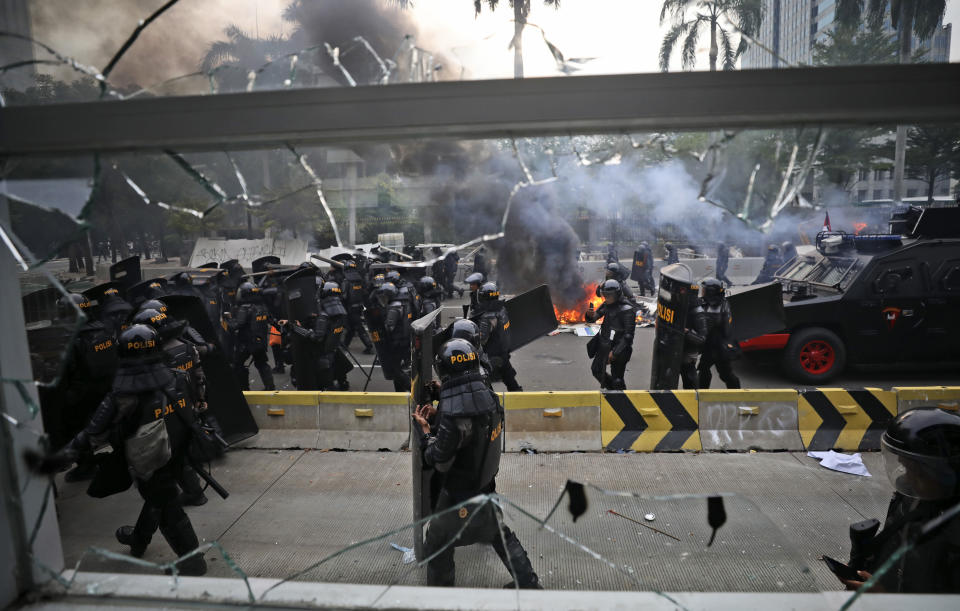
(872, 299)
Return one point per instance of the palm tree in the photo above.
(909, 18)
(521, 9)
(231, 60)
(688, 17)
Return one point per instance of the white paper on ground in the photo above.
(845, 463)
(586, 331)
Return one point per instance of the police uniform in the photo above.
(354, 291)
(718, 344)
(251, 324)
(464, 444)
(395, 348)
(723, 261)
(614, 342)
(694, 336)
(325, 335)
(494, 326)
(146, 392)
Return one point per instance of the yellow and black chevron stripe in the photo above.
(851, 420)
(650, 421)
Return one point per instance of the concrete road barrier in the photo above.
(649, 421)
(848, 420)
(285, 409)
(552, 421)
(909, 397)
(749, 420)
(363, 420)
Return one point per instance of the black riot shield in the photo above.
(756, 310)
(677, 288)
(531, 316)
(141, 291)
(95, 295)
(126, 273)
(224, 397)
(421, 372)
(263, 263)
(210, 265)
(637, 270)
(301, 305)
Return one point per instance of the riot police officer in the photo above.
(430, 293)
(474, 281)
(183, 356)
(643, 268)
(693, 337)
(719, 348)
(450, 263)
(325, 331)
(354, 296)
(88, 370)
(614, 343)
(615, 271)
(395, 347)
(251, 324)
(495, 335)
(480, 262)
(464, 443)
(671, 253)
(921, 454)
(771, 263)
(148, 418)
(406, 291)
(723, 261)
(114, 311)
(464, 328)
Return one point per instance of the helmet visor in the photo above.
(920, 476)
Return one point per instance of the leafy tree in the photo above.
(521, 10)
(909, 18)
(689, 17)
(934, 153)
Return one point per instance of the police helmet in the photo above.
(426, 285)
(488, 292)
(306, 265)
(65, 305)
(613, 270)
(378, 281)
(921, 453)
(475, 278)
(164, 325)
(772, 248)
(349, 264)
(331, 289)
(393, 276)
(465, 328)
(786, 246)
(386, 293)
(248, 292)
(456, 356)
(140, 343)
(711, 290)
(668, 245)
(611, 291)
(154, 304)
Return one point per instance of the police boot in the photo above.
(182, 540)
(127, 535)
(267, 377)
(517, 562)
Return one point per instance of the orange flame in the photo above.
(858, 227)
(575, 314)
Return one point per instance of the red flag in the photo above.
(826, 222)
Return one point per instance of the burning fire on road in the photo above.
(574, 314)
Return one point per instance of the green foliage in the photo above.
(723, 18)
(933, 152)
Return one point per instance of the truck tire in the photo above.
(814, 355)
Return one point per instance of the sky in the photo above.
(623, 35)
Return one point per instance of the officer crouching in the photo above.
(465, 443)
(921, 454)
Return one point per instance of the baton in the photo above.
(210, 480)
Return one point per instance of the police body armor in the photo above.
(253, 327)
(495, 330)
(677, 288)
(333, 318)
(718, 319)
(468, 403)
(184, 357)
(397, 321)
(353, 289)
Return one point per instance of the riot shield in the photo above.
(301, 305)
(638, 269)
(677, 288)
(141, 291)
(224, 397)
(756, 310)
(126, 273)
(95, 295)
(210, 265)
(262, 264)
(421, 372)
(531, 316)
